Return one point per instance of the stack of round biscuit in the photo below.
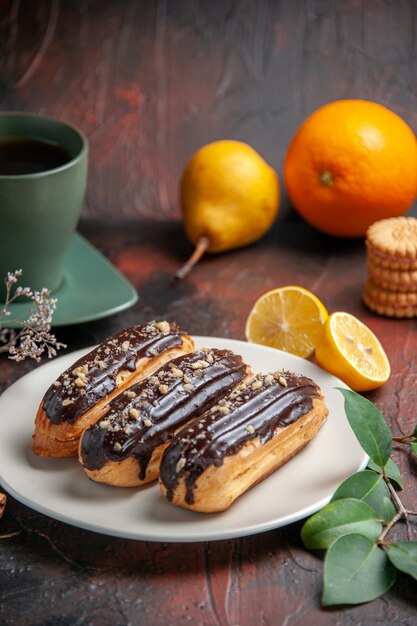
(391, 247)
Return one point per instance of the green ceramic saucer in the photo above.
(80, 298)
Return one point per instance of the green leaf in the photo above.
(341, 517)
(355, 571)
(414, 433)
(391, 470)
(369, 426)
(413, 447)
(370, 488)
(404, 556)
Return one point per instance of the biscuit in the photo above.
(387, 261)
(391, 250)
(388, 310)
(392, 243)
(391, 297)
(393, 279)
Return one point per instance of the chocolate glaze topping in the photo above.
(94, 376)
(147, 414)
(255, 409)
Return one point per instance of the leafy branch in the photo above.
(360, 565)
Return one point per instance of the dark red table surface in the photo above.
(149, 82)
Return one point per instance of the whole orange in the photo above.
(351, 163)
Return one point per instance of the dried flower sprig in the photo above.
(33, 337)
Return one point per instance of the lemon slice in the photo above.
(351, 351)
(289, 318)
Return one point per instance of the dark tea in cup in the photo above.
(30, 155)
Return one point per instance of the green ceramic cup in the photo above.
(39, 210)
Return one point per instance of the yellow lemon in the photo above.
(289, 318)
(348, 349)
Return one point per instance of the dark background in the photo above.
(149, 82)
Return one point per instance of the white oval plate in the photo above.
(59, 488)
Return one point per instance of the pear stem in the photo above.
(201, 247)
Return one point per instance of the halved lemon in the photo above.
(289, 318)
(349, 349)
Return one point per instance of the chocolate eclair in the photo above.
(79, 396)
(260, 426)
(124, 448)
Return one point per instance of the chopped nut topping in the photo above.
(134, 413)
(130, 394)
(164, 327)
(147, 422)
(187, 379)
(163, 389)
(125, 346)
(107, 351)
(180, 464)
(250, 429)
(57, 383)
(79, 382)
(105, 424)
(269, 379)
(257, 385)
(101, 365)
(224, 410)
(282, 381)
(117, 447)
(154, 380)
(188, 387)
(177, 373)
(210, 357)
(153, 352)
(67, 402)
(128, 429)
(199, 365)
